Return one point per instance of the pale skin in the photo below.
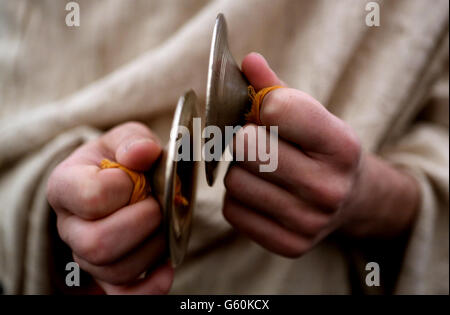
(324, 182)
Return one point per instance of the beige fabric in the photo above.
(133, 59)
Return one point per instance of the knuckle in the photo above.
(92, 248)
(153, 211)
(51, 195)
(351, 149)
(319, 224)
(92, 197)
(293, 219)
(151, 214)
(51, 191)
(227, 213)
(232, 179)
(334, 195)
(62, 232)
(274, 106)
(162, 286)
(313, 223)
(295, 247)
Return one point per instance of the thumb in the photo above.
(133, 145)
(258, 72)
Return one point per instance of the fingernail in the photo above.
(137, 141)
(263, 58)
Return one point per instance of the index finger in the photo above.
(302, 120)
(80, 186)
(87, 191)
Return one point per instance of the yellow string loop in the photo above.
(257, 98)
(140, 189)
(179, 199)
(139, 181)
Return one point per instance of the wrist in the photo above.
(384, 202)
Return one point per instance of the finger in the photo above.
(295, 171)
(275, 202)
(300, 118)
(129, 267)
(81, 187)
(87, 191)
(133, 145)
(158, 282)
(258, 72)
(104, 241)
(304, 121)
(264, 231)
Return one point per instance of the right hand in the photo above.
(111, 240)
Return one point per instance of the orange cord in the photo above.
(140, 190)
(138, 179)
(257, 98)
(179, 199)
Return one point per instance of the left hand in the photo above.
(322, 181)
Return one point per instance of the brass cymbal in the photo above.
(227, 98)
(171, 174)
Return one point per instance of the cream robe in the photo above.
(61, 86)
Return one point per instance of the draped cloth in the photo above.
(61, 86)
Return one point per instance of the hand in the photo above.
(113, 241)
(323, 182)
